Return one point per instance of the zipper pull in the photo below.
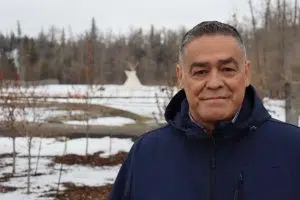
(239, 191)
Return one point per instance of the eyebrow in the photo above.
(227, 61)
(198, 64)
(220, 62)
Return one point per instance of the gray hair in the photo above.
(209, 28)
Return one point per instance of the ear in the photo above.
(179, 74)
(248, 73)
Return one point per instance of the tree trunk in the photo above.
(29, 164)
(14, 155)
(61, 166)
(87, 139)
(38, 157)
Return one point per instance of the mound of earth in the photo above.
(5, 189)
(74, 192)
(91, 160)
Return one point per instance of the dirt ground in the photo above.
(5, 189)
(91, 160)
(74, 192)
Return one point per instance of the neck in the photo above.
(209, 126)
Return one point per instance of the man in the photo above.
(220, 142)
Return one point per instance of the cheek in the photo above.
(193, 91)
(238, 95)
(236, 85)
(194, 87)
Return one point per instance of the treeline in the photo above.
(91, 57)
(271, 34)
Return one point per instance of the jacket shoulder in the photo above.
(281, 132)
(155, 138)
(165, 131)
(290, 128)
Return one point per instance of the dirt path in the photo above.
(54, 126)
(76, 131)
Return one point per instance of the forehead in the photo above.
(212, 48)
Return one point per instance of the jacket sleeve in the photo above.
(122, 186)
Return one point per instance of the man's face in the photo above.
(214, 76)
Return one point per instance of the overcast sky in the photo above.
(115, 15)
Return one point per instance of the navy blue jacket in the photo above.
(255, 158)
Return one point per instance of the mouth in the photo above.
(215, 98)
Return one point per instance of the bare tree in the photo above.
(265, 40)
(29, 115)
(257, 52)
(291, 89)
(10, 101)
(61, 166)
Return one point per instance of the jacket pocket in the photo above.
(264, 183)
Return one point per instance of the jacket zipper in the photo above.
(239, 192)
(213, 170)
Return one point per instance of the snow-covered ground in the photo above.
(276, 108)
(53, 146)
(80, 175)
(145, 101)
(86, 90)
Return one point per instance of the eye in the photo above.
(200, 72)
(228, 70)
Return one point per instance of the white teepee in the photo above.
(132, 81)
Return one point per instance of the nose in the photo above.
(214, 81)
